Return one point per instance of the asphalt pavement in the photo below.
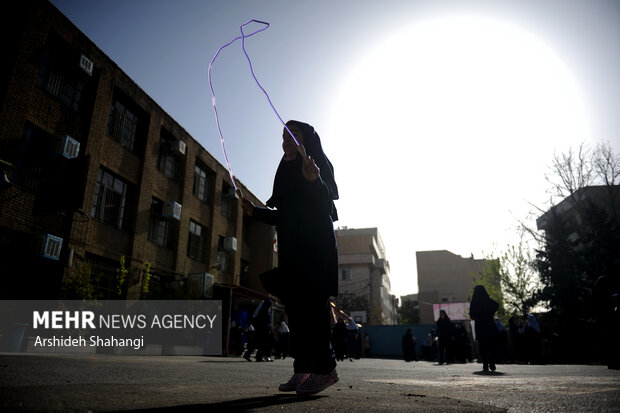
(105, 383)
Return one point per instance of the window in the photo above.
(60, 74)
(34, 150)
(228, 205)
(245, 272)
(122, 125)
(111, 200)
(224, 258)
(104, 276)
(346, 274)
(202, 182)
(196, 241)
(167, 160)
(159, 227)
(246, 230)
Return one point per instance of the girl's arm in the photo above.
(266, 215)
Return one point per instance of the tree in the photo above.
(519, 279)
(409, 312)
(121, 276)
(583, 244)
(570, 172)
(351, 302)
(581, 239)
(79, 284)
(146, 279)
(559, 267)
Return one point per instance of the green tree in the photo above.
(580, 242)
(558, 264)
(79, 284)
(519, 279)
(146, 279)
(121, 276)
(409, 312)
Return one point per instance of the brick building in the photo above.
(94, 170)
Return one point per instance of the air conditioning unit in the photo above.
(231, 192)
(86, 64)
(67, 147)
(48, 246)
(230, 244)
(172, 210)
(179, 147)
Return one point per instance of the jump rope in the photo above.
(243, 36)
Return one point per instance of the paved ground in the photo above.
(84, 383)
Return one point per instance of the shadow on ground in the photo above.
(489, 373)
(239, 405)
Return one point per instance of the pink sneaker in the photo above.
(293, 382)
(316, 383)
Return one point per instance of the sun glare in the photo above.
(455, 118)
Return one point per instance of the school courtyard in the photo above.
(105, 383)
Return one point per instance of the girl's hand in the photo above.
(310, 170)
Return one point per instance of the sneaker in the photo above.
(293, 382)
(316, 383)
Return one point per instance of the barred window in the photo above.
(104, 276)
(196, 241)
(167, 160)
(122, 125)
(111, 200)
(159, 227)
(202, 182)
(59, 73)
(228, 204)
(224, 258)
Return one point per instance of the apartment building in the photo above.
(364, 277)
(92, 170)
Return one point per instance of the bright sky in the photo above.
(441, 117)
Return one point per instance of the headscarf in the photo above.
(480, 294)
(312, 144)
(481, 303)
(533, 323)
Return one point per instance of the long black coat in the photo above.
(481, 310)
(445, 329)
(303, 213)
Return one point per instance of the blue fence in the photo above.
(386, 341)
